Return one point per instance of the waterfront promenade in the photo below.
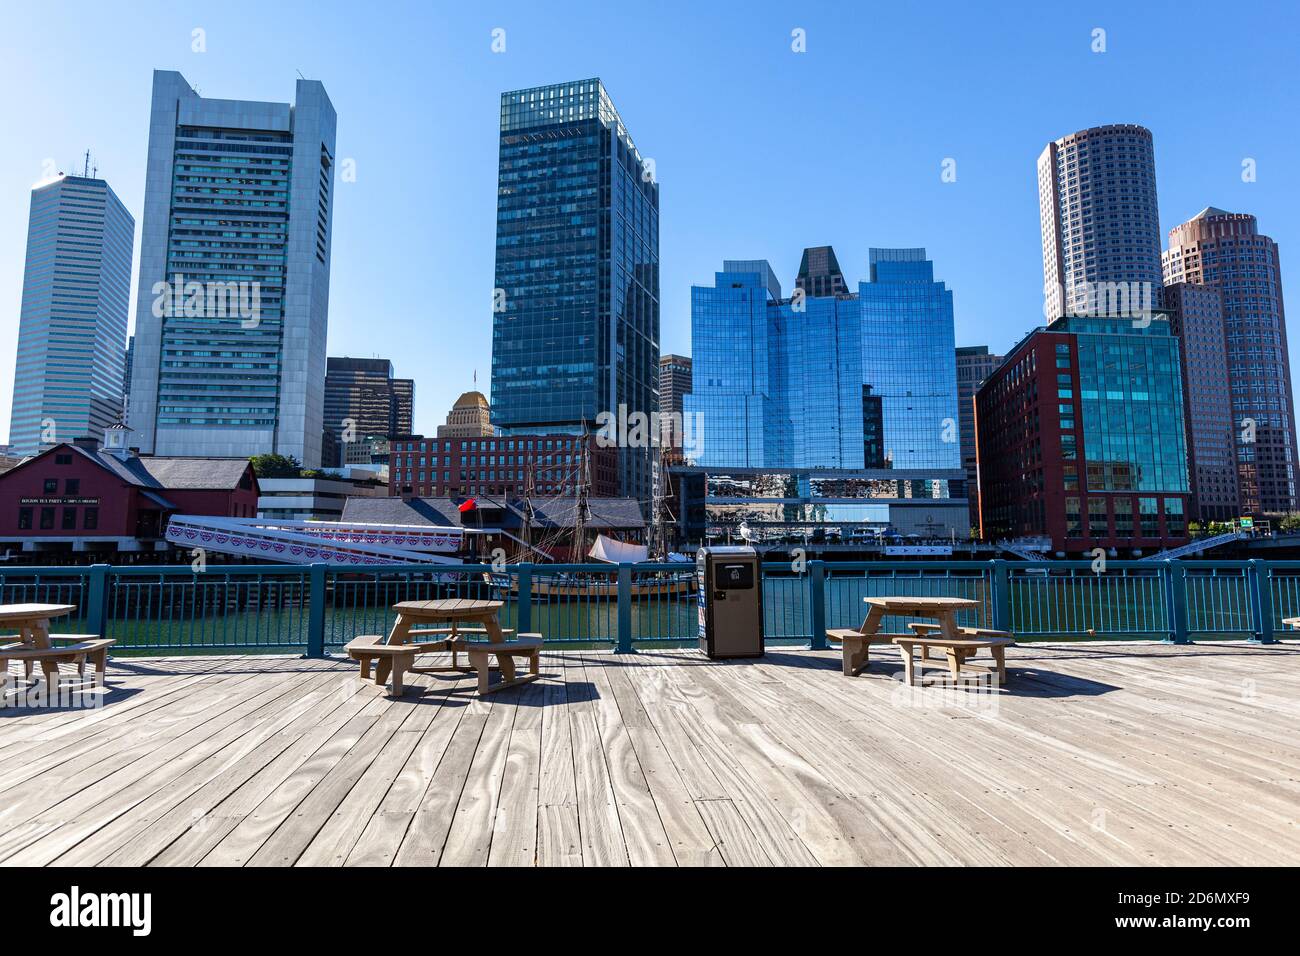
(1097, 753)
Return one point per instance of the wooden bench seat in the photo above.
(956, 651)
(67, 648)
(926, 629)
(394, 659)
(453, 634)
(527, 646)
(856, 646)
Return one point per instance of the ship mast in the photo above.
(529, 491)
(582, 510)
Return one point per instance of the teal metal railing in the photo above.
(317, 609)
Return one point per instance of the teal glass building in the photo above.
(576, 311)
(1081, 438)
(829, 412)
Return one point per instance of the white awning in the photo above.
(617, 552)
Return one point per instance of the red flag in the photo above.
(467, 505)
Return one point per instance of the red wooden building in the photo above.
(82, 496)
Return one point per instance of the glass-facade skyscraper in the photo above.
(72, 327)
(234, 275)
(863, 380)
(909, 361)
(576, 310)
(808, 406)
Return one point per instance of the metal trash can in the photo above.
(730, 586)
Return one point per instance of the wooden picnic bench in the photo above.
(957, 653)
(396, 659)
(34, 644)
(395, 654)
(71, 648)
(856, 645)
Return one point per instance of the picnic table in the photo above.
(460, 618)
(857, 644)
(35, 644)
(32, 621)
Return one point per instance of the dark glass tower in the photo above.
(576, 313)
(819, 273)
(363, 400)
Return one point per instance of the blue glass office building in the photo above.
(810, 404)
(576, 313)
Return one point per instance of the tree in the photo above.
(275, 466)
(1290, 522)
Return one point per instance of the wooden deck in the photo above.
(1097, 754)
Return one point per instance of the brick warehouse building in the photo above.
(82, 496)
(498, 465)
(1080, 438)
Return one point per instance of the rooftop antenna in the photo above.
(300, 76)
(85, 170)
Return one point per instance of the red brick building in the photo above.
(83, 497)
(1080, 438)
(498, 465)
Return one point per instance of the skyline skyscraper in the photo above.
(674, 386)
(974, 364)
(233, 297)
(576, 310)
(909, 359)
(1227, 252)
(1100, 221)
(1196, 317)
(857, 380)
(72, 325)
(837, 409)
(363, 400)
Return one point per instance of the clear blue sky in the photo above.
(759, 151)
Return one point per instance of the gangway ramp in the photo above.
(1197, 546)
(311, 542)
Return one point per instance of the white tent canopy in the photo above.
(617, 552)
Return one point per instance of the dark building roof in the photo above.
(607, 513)
(195, 473)
(198, 474)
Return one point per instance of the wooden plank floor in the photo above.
(1096, 754)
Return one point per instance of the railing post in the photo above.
(97, 600)
(524, 600)
(1175, 593)
(817, 600)
(624, 645)
(1000, 594)
(316, 617)
(1261, 601)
